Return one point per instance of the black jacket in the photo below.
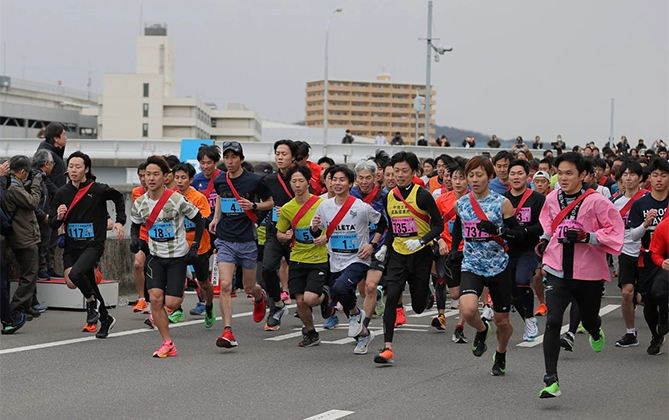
(59, 172)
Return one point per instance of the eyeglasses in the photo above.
(231, 144)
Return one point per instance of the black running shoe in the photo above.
(311, 339)
(499, 364)
(459, 336)
(656, 345)
(628, 340)
(93, 315)
(567, 342)
(479, 347)
(105, 326)
(326, 309)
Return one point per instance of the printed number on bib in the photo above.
(230, 206)
(567, 224)
(472, 232)
(189, 225)
(404, 226)
(524, 215)
(346, 243)
(80, 230)
(162, 232)
(303, 236)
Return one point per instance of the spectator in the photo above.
(380, 139)
(494, 142)
(587, 152)
(537, 145)
(658, 143)
(469, 142)
(559, 145)
(623, 146)
(422, 141)
(662, 152)
(443, 141)
(43, 161)
(397, 140)
(20, 204)
(54, 141)
(640, 146)
(348, 138)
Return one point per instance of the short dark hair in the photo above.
(658, 163)
(18, 163)
(328, 171)
(53, 130)
(326, 159)
(661, 149)
(599, 163)
(172, 161)
(159, 161)
(547, 160)
(345, 170)
(212, 151)
(303, 149)
(141, 167)
(501, 155)
(520, 162)
(408, 157)
(185, 167)
(87, 162)
(456, 167)
(287, 142)
(480, 161)
(303, 169)
(429, 161)
(446, 159)
(633, 166)
(572, 157)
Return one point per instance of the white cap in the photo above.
(542, 174)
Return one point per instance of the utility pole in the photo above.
(428, 86)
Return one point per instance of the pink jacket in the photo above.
(597, 215)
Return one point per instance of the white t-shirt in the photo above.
(380, 140)
(351, 234)
(604, 191)
(630, 247)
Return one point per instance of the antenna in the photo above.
(141, 18)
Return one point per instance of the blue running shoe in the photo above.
(331, 323)
(199, 309)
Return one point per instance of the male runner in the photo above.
(140, 257)
(501, 163)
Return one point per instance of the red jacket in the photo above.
(659, 245)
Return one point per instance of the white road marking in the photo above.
(330, 415)
(540, 339)
(447, 313)
(345, 340)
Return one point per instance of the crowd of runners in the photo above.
(485, 235)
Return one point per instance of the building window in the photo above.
(145, 130)
(146, 90)
(145, 110)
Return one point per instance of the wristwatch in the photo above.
(255, 206)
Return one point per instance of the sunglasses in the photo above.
(231, 144)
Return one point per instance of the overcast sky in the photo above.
(518, 67)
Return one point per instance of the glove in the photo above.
(134, 245)
(541, 247)
(489, 227)
(573, 236)
(455, 257)
(191, 257)
(381, 253)
(61, 241)
(413, 244)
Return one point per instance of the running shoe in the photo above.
(274, 319)
(90, 328)
(326, 309)
(259, 308)
(380, 304)
(430, 299)
(43, 275)
(598, 345)
(385, 356)
(531, 329)
(199, 309)
(363, 343)
(455, 304)
(105, 326)
(567, 342)
(499, 365)
(18, 321)
(147, 310)
(355, 323)
(439, 322)
(309, 339)
(580, 329)
(92, 315)
(656, 344)
(628, 340)
(459, 336)
(227, 339)
(149, 321)
(331, 323)
(233, 294)
(166, 349)
(401, 318)
(209, 318)
(542, 310)
(177, 315)
(479, 347)
(552, 388)
(40, 308)
(285, 297)
(140, 305)
(487, 313)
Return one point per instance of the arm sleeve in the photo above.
(513, 230)
(199, 227)
(381, 225)
(427, 203)
(134, 231)
(389, 233)
(457, 233)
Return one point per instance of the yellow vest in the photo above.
(403, 222)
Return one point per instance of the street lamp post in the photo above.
(325, 83)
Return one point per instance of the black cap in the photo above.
(235, 146)
(263, 168)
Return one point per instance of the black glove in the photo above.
(573, 236)
(455, 257)
(134, 245)
(191, 257)
(541, 247)
(489, 227)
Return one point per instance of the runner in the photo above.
(580, 227)
(523, 260)
(140, 257)
(184, 174)
(501, 162)
(628, 260)
(438, 181)
(162, 211)
(274, 251)
(645, 214)
(234, 224)
(542, 185)
(81, 205)
(659, 248)
(308, 268)
(449, 265)
(481, 215)
(346, 221)
(415, 222)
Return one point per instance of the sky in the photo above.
(518, 67)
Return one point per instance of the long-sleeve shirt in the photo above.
(659, 245)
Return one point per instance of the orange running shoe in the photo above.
(385, 356)
(259, 308)
(166, 349)
(90, 328)
(401, 319)
(140, 306)
(541, 310)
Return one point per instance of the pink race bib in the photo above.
(567, 224)
(524, 215)
(404, 226)
(472, 232)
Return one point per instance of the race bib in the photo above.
(80, 230)
(303, 235)
(230, 206)
(567, 224)
(189, 225)
(472, 232)
(451, 223)
(162, 232)
(524, 215)
(404, 226)
(212, 200)
(346, 243)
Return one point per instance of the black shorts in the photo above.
(377, 265)
(413, 268)
(274, 251)
(91, 254)
(628, 272)
(499, 286)
(167, 274)
(306, 277)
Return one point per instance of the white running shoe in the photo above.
(487, 313)
(455, 304)
(355, 324)
(531, 329)
(363, 343)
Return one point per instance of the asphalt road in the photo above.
(45, 376)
